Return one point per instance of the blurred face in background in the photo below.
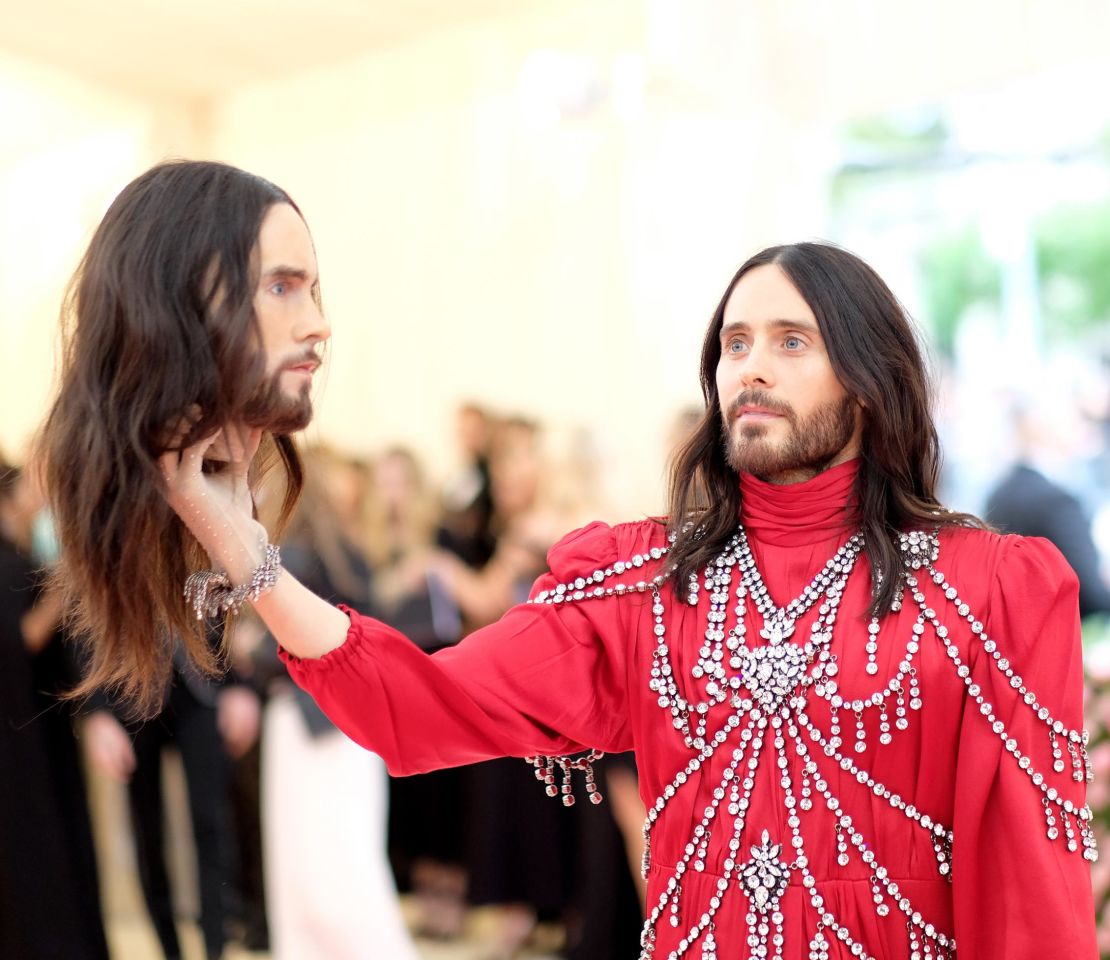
(786, 416)
(345, 487)
(515, 469)
(396, 481)
(473, 426)
(20, 502)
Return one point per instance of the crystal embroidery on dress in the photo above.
(768, 690)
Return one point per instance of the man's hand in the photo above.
(108, 746)
(217, 506)
(238, 715)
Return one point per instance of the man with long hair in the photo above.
(856, 714)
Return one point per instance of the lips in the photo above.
(749, 410)
(308, 367)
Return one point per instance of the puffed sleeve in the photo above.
(1016, 893)
(544, 679)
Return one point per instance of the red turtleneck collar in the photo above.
(794, 514)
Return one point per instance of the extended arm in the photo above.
(543, 679)
(539, 681)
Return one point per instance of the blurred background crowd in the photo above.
(490, 866)
(525, 211)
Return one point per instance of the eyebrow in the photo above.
(778, 323)
(292, 273)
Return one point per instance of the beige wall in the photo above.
(67, 148)
(472, 249)
(474, 244)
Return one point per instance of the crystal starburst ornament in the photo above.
(765, 875)
(764, 878)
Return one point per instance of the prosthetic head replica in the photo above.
(809, 361)
(174, 310)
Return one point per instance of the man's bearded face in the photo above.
(785, 414)
(272, 407)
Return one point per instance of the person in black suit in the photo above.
(206, 720)
(1025, 501)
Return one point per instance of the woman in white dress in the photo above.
(329, 889)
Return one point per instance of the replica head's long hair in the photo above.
(158, 320)
(875, 355)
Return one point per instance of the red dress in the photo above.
(894, 794)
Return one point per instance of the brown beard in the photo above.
(273, 410)
(810, 447)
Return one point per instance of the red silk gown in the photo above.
(944, 831)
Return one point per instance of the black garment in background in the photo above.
(428, 811)
(1028, 503)
(49, 895)
(465, 530)
(249, 907)
(189, 725)
(427, 816)
(186, 722)
(520, 841)
(604, 899)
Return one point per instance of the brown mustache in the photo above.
(309, 356)
(759, 398)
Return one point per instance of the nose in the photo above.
(756, 370)
(313, 326)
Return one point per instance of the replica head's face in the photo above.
(785, 414)
(290, 323)
(199, 291)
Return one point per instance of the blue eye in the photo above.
(793, 343)
(278, 288)
(734, 346)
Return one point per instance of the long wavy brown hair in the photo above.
(158, 320)
(875, 354)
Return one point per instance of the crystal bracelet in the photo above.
(210, 593)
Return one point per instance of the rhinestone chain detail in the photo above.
(757, 703)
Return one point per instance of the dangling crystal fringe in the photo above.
(709, 945)
(819, 946)
(545, 772)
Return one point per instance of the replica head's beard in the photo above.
(810, 446)
(272, 409)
